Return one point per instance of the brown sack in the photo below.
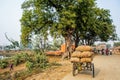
(86, 54)
(86, 60)
(76, 54)
(73, 59)
(83, 48)
(83, 60)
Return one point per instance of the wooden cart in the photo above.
(82, 66)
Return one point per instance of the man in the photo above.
(107, 51)
(11, 66)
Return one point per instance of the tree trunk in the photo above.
(68, 46)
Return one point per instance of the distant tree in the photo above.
(14, 44)
(56, 43)
(108, 45)
(116, 44)
(38, 42)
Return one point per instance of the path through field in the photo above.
(106, 68)
(16, 68)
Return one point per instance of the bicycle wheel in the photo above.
(93, 70)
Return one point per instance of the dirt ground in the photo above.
(106, 68)
(15, 68)
(53, 73)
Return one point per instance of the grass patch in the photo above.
(23, 74)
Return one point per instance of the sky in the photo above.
(11, 12)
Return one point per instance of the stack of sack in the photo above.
(82, 54)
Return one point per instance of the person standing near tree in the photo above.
(11, 66)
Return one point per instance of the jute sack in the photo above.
(86, 54)
(86, 59)
(76, 54)
(75, 59)
(83, 48)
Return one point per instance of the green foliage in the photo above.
(34, 64)
(108, 46)
(16, 59)
(20, 58)
(116, 44)
(39, 42)
(29, 65)
(3, 64)
(55, 44)
(36, 51)
(25, 57)
(76, 20)
(14, 45)
(93, 23)
(38, 60)
(41, 60)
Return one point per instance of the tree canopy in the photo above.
(78, 21)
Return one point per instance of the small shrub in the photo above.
(3, 64)
(29, 65)
(16, 59)
(41, 60)
(25, 57)
(37, 51)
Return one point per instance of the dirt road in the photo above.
(106, 68)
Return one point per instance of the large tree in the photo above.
(39, 16)
(76, 20)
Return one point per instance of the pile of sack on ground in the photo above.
(82, 54)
